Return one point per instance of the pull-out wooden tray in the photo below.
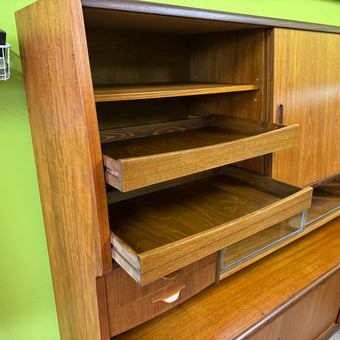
(157, 233)
(164, 151)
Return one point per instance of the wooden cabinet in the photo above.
(137, 111)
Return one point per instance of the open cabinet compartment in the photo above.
(157, 233)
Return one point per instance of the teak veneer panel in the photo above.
(306, 80)
(135, 163)
(249, 299)
(117, 93)
(155, 234)
(67, 152)
(309, 318)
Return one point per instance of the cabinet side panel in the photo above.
(306, 81)
(60, 105)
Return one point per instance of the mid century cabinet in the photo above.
(174, 147)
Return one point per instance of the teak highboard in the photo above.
(174, 147)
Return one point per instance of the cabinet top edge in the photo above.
(196, 13)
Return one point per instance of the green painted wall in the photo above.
(27, 309)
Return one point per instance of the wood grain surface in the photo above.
(126, 298)
(149, 160)
(251, 298)
(160, 232)
(103, 94)
(310, 317)
(138, 131)
(306, 81)
(67, 153)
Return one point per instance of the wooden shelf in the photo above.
(133, 92)
(155, 234)
(197, 145)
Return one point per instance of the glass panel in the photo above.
(246, 249)
(326, 198)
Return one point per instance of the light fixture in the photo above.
(4, 56)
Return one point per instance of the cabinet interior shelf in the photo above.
(157, 233)
(164, 151)
(149, 91)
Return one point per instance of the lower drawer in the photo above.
(130, 305)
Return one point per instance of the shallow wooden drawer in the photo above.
(139, 156)
(157, 233)
(130, 305)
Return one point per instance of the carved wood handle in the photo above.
(171, 297)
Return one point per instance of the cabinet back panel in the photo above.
(140, 112)
(127, 57)
(231, 57)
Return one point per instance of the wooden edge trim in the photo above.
(212, 156)
(296, 298)
(313, 226)
(218, 257)
(195, 13)
(115, 95)
(329, 331)
(286, 134)
(103, 309)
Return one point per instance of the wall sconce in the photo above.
(4, 56)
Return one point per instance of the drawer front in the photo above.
(130, 305)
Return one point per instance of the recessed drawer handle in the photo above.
(171, 297)
(280, 113)
(171, 276)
